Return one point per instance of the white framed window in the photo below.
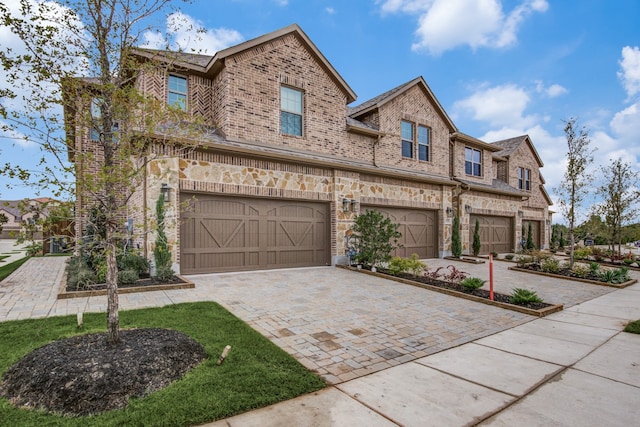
(524, 179)
(177, 95)
(407, 139)
(291, 107)
(472, 161)
(424, 137)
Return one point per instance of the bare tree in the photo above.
(49, 105)
(573, 188)
(620, 195)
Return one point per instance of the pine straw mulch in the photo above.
(85, 375)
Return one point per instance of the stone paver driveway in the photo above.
(344, 324)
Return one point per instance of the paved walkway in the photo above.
(400, 355)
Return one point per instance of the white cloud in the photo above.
(10, 137)
(626, 124)
(630, 70)
(186, 33)
(330, 10)
(552, 91)
(446, 24)
(499, 106)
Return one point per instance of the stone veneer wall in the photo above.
(219, 173)
(488, 204)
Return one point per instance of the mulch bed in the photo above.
(143, 285)
(85, 375)
(481, 293)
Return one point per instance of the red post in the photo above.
(491, 277)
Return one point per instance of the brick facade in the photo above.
(352, 153)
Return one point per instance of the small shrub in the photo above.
(133, 261)
(581, 271)
(81, 278)
(581, 253)
(550, 265)
(435, 274)
(523, 297)
(164, 273)
(594, 267)
(33, 249)
(476, 239)
(127, 277)
(607, 276)
(509, 257)
(628, 261)
(454, 274)
(524, 260)
(399, 265)
(597, 253)
(456, 244)
(494, 254)
(621, 274)
(472, 283)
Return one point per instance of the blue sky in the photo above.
(499, 68)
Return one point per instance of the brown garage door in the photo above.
(419, 230)
(496, 233)
(230, 234)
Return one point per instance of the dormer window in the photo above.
(291, 111)
(472, 161)
(177, 96)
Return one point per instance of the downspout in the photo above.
(145, 225)
(375, 144)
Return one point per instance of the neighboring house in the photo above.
(286, 165)
(20, 213)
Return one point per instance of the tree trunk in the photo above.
(113, 320)
(572, 243)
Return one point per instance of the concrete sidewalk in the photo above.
(10, 248)
(573, 368)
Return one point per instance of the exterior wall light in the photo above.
(520, 214)
(165, 190)
(346, 205)
(354, 205)
(449, 211)
(467, 208)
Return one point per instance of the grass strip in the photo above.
(256, 373)
(633, 327)
(6, 270)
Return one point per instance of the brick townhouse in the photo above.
(286, 164)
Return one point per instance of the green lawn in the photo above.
(255, 374)
(6, 270)
(633, 327)
(3, 257)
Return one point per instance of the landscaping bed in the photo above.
(454, 289)
(148, 284)
(566, 274)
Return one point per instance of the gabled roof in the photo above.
(211, 65)
(378, 101)
(496, 187)
(509, 146)
(459, 136)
